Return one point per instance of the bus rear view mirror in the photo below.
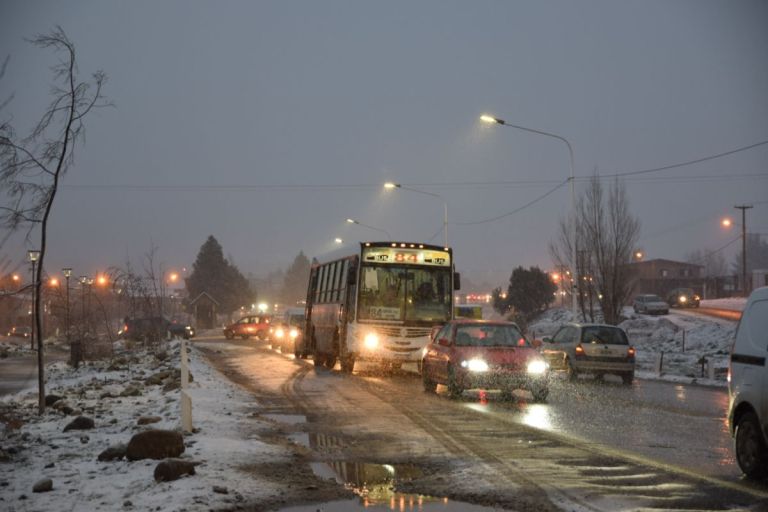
(456, 281)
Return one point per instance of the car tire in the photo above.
(454, 388)
(330, 362)
(245, 337)
(229, 335)
(347, 364)
(430, 386)
(636, 311)
(749, 446)
(318, 360)
(540, 394)
(507, 395)
(627, 378)
(571, 373)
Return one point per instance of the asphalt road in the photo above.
(592, 446)
(19, 372)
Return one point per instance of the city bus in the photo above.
(377, 301)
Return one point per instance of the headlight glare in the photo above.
(294, 333)
(537, 367)
(279, 333)
(371, 340)
(475, 365)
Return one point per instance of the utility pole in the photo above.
(744, 209)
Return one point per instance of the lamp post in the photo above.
(391, 186)
(83, 283)
(353, 221)
(495, 120)
(744, 209)
(33, 256)
(67, 274)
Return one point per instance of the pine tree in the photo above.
(215, 275)
(296, 279)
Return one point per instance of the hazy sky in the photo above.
(267, 124)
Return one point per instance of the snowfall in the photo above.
(228, 429)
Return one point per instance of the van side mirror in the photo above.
(456, 281)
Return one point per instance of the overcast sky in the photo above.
(223, 108)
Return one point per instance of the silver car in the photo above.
(650, 305)
(590, 348)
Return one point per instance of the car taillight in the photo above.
(631, 352)
(579, 350)
(125, 328)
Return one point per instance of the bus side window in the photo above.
(351, 291)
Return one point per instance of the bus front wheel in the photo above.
(347, 364)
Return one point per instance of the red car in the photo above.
(251, 325)
(467, 354)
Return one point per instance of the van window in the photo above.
(755, 325)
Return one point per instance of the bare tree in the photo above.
(606, 234)
(713, 262)
(32, 167)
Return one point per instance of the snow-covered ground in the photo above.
(733, 304)
(703, 337)
(34, 448)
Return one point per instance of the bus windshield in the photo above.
(401, 293)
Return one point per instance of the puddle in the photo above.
(374, 484)
(399, 502)
(291, 419)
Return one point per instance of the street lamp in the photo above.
(67, 274)
(639, 255)
(726, 222)
(744, 209)
(338, 240)
(390, 186)
(353, 221)
(495, 120)
(33, 256)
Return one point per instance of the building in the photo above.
(660, 276)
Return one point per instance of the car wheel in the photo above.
(749, 445)
(636, 311)
(347, 364)
(228, 335)
(245, 336)
(318, 360)
(454, 388)
(540, 394)
(330, 362)
(571, 373)
(430, 386)
(628, 377)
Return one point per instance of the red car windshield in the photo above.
(489, 335)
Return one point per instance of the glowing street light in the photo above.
(495, 120)
(53, 282)
(639, 255)
(338, 240)
(353, 221)
(101, 280)
(390, 186)
(726, 222)
(16, 278)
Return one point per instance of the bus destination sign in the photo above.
(402, 255)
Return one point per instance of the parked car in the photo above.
(155, 327)
(683, 298)
(748, 387)
(287, 332)
(20, 332)
(650, 305)
(590, 348)
(251, 325)
(468, 354)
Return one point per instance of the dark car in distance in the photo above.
(155, 327)
(683, 298)
(20, 332)
(470, 354)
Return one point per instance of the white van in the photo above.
(748, 387)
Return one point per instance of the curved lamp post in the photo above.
(353, 221)
(390, 186)
(495, 120)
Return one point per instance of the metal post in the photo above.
(744, 209)
(34, 311)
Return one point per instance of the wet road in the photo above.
(593, 446)
(19, 372)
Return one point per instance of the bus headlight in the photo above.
(279, 333)
(371, 340)
(683, 299)
(475, 365)
(294, 333)
(537, 367)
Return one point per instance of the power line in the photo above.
(712, 253)
(516, 210)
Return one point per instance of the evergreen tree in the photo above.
(296, 279)
(529, 293)
(215, 275)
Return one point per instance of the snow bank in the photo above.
(733, 304)
(80, 482)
